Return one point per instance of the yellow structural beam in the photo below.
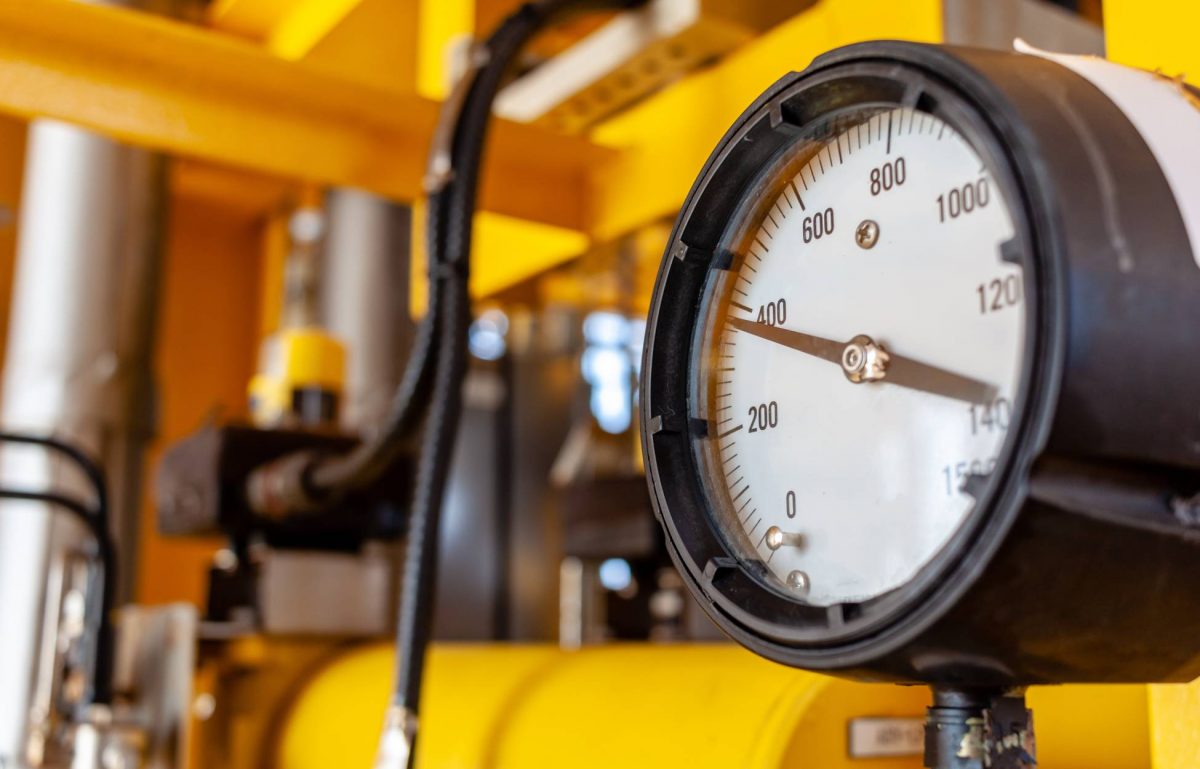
(375, 43)
(367, 41)
(252, 19)
(308, 24)
(193, 92)
(667, 138)
(440, 23)
(200, 94)
(1154, 34)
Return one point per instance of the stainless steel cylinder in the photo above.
(365, 298)
(77, 366)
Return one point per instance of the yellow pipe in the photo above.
(694, 706)
(1174, 715)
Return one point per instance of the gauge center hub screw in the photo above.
(863, 360)
(867, 234)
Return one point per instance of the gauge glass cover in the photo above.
(860, 357)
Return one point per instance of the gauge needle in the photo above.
(864, 360)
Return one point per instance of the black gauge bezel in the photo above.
(844, 636)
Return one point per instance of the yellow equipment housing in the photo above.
(689, 705)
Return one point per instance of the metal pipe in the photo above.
(78, 366)
(365, 298)
(364, 304)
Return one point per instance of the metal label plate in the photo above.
(886, 737)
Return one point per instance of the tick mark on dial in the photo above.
(796, 192)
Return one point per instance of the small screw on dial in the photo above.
(867, 234)
(777, 538)
(798, 581)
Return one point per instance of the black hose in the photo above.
(293, 486)
(78, 510)
(331, 477)
(97, 522)
(106, 556)
(452, 209)
(86, 464)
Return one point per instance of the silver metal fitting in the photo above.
(396, 742)
(863, 360)
(798, 581)
(278, 488)
(440, 171)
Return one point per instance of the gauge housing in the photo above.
(1079, 560)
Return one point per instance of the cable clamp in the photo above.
(440, 171)
(396, 742)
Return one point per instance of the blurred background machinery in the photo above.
(207, 219)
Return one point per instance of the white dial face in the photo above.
(863, 354)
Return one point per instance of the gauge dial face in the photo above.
(861, 357)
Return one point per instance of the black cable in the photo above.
(332, 476)
(78, 510)
(96, 519)
(433, 376)
(106, 556)
(302, 483)
(452, 207)
(86, 464)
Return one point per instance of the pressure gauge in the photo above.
(916, 401)
(845, 232)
